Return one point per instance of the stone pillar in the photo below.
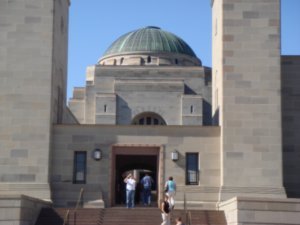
(33, 60)
(246, 96)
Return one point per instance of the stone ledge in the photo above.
(37, 190)
(261, 211)
(24, 197)
(259, 200)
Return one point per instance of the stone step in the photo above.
(145, 216)
(55, 216)
(124, 216)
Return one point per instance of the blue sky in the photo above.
(95, 24)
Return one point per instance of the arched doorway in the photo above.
(137, 160)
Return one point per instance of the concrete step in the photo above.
(124, 216)
(150, 216)
(55, 216)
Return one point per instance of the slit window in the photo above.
(192, 109)
(105, 108)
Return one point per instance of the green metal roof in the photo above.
(149, 39)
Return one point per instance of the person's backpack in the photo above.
(146, 182)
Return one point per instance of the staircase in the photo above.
(136, 216)
(124, 216)
(82, 216)
(201, 217)
(152, 216)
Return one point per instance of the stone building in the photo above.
(229, 135)
(149, 81)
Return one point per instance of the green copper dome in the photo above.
(149, 39)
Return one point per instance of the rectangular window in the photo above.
(192, 168)
(79, 174)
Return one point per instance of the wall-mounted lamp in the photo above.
(97, 154)
(175, 155)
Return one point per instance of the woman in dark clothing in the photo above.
(165, 211)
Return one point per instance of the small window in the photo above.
(192, 109)
(192, 168)
(59, 110)
(176, 61)
(216, 99)
(79, 172)
(115, 62)
(148, 59)
(216, 27)
(105, 108)
(121, 61)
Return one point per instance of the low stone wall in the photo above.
(20, 209)
(261, 211)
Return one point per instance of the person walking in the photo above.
(147, 182)
(170, 187)
(130, 190)
(165, 211)
(179, 221)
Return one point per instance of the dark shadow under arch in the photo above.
(148, 118)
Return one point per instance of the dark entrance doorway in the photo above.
(139, 165)
(139, 161)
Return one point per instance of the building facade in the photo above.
(229, 135)
(149, 80)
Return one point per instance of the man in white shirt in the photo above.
(130, 190)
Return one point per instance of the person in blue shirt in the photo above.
(147, 182)
(170, 188)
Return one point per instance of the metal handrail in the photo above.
(66, 219)
(189, 218)
(188, 215)
(79, 200)
(184, 206)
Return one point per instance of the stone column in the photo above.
(247, 96)
(33, 47)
